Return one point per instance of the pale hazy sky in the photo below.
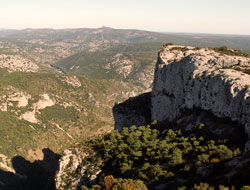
(198, 16)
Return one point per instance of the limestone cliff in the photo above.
(188, 78)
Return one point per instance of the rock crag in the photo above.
(188, 78)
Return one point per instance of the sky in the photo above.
(190, 16)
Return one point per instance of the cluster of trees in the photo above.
(153, 156)
(157, 156)
(111, 183)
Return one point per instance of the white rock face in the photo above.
(44, 102)
(187, 78)
(74, 171)
(69, 163)
(14, 95)
(5, 163)
(20, 98)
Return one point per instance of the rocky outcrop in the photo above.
(69, 163)
(44, 102)
(188, 78)
(75, 170)
(13, 95)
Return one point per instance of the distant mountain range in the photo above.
(126, 35)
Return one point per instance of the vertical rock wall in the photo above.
(187, 78)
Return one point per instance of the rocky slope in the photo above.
(187, 78)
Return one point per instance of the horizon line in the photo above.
(162, 32)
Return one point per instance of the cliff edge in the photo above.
(188, 78)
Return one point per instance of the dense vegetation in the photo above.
(111, 183)
(161, 156)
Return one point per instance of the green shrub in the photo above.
(225, 50)
(151, 154)
(110, 183)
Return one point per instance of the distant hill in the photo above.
(132, 62)
(128, 35)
